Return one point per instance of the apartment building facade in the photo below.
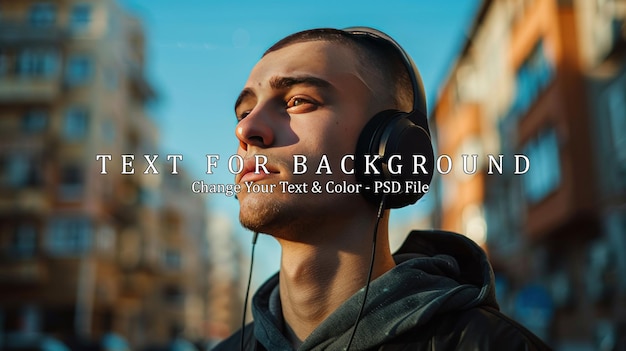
(546, 81)
(87, 255)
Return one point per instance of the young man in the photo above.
(312, 94)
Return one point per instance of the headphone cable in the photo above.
(379, 215)
(245, 302)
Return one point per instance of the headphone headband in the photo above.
(393, 132)
(419, 96)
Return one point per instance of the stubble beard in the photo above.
(290, 218)
(256, 216)
(265, 214)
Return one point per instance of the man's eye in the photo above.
(300, 103)
(243, 115)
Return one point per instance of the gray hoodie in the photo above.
(436, 272)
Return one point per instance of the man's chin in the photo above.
(255, 212)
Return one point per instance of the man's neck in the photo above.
(317, 277)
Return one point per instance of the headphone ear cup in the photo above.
(368, 145)
(391, 133)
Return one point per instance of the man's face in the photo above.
(305, 99)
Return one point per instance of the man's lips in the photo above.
(248, 174)
(253, 177)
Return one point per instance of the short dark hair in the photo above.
(376, 57)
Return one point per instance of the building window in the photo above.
(17, 170)
(108, 131)
(617, 120)
(532, 77)
(111, 79)
(72, 182)
(67, 236)
(30, 320)
(20, 170)
(76, 123)
(173, 294)
(42, 14)
(80, 17)
(24, 241)
(37, 63)
(34, 121)
(544, 175)
(105, 239)
(172, 259)
(148, 197)
(4, 62)
(78, 70)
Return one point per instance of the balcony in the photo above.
(24, 201)
(20, 33)
(22, 272)
(139, 85)
(14, 89)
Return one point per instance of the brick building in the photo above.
(85, 254)
(545, 79)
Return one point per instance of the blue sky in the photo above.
(200, 52)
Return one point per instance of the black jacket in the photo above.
(440, 296)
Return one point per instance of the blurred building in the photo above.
(545, 79)
(228, 278)
(86, 255)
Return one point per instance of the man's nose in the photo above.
(256, 129)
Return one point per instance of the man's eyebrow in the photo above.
(288, 82)
(246, 92)
(284, 83)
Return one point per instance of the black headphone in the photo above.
(393, 132)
